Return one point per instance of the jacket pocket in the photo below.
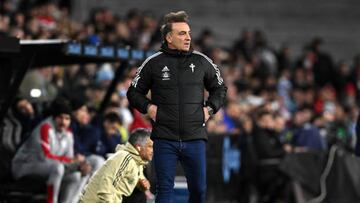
(194, 113)
(167, 114)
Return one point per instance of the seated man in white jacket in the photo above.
(122, 172)
(49, 153)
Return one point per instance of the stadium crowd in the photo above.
(286, 103)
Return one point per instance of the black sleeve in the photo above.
(140, 87)
(214, 84)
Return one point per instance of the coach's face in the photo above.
(146, 151)
(179, 38)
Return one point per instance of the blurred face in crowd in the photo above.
(62, 122)
(232, 93)
(329, 116)
(179, 38)
(340, 113)
(82, 115)
(111, 128)
(233, 110)
(25, 107)
(302, 117)
(279, 123)
(266, 121)
(307, 115)
(146, 151)
(298, 118)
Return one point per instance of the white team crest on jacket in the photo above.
(192, 66)
(165, 73)
(165, 69)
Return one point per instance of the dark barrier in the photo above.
(223, 168)
(325, 177)
(339, 170)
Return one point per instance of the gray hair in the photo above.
(139, 137)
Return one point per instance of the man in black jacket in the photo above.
(177, 77)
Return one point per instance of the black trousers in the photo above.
(137, 196)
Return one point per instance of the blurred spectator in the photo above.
(284, 58)
(206, 41)
(216, 124)
(49, 153)
(96, 94)
(306, 135)
(334, 126)
(140, 121)
(284, 88)
(342, 83)
(148, 28)
(322, 67)
(104, 75)
(133, 20)
(87, 140)
(357, 146)
(110, 134)
(244, 46)
(266, 139)
(266, 56)
(37, 85)
(24, 112)
(4, 24)
(124, 104)
(231, 118)
(267, 148)
(326, 97)
(282, 131)
(355, 76)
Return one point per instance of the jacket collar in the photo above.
(175, 52)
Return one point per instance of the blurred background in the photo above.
(285, 23)
(292, 69)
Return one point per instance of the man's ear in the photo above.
(138, 147)
(168, 38)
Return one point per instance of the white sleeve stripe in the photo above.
(218, 76)
(137, 76)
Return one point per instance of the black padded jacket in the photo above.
(177, 80)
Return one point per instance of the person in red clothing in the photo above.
(49, 153)
(139, 122)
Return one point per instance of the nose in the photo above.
(188, 37)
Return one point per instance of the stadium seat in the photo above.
(30, 189)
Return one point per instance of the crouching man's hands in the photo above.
(143, 184)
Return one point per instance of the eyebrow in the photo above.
(183, 32)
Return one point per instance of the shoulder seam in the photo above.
(137, 76)
(217, 71)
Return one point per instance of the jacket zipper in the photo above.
(181, 115)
